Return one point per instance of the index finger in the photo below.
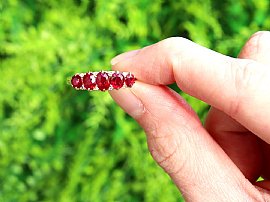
(239, 87)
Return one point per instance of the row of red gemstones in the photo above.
(102, 80)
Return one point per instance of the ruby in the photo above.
(117, 80)
(76, 81)
(130, 80)
(89, 81)
(102, 81)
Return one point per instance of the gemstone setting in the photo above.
(102, 81)
(117, 80)
(129, 80)
(76, 81)
(89, 81)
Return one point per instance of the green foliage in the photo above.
(57, 144)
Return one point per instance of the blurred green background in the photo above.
(58, 144)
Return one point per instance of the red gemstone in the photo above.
(76, 81)
(117, 80)
(89, 81)
(102, 81)
(130, 80)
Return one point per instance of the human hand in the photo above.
(222, 160)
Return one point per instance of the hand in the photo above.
(222, 160)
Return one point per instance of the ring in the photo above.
(102, 80)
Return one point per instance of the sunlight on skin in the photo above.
(232, 151)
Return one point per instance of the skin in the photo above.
(221, 160)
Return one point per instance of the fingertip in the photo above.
(128, 101)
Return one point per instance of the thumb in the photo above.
(182, 147)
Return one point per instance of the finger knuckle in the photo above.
(173, 45)
(164, 148)
(173, 42)
(242, 74)
(166, 159)
(173, 48)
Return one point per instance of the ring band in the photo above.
(102, 80)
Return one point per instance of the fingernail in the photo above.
(124, 56)
(127, 100)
